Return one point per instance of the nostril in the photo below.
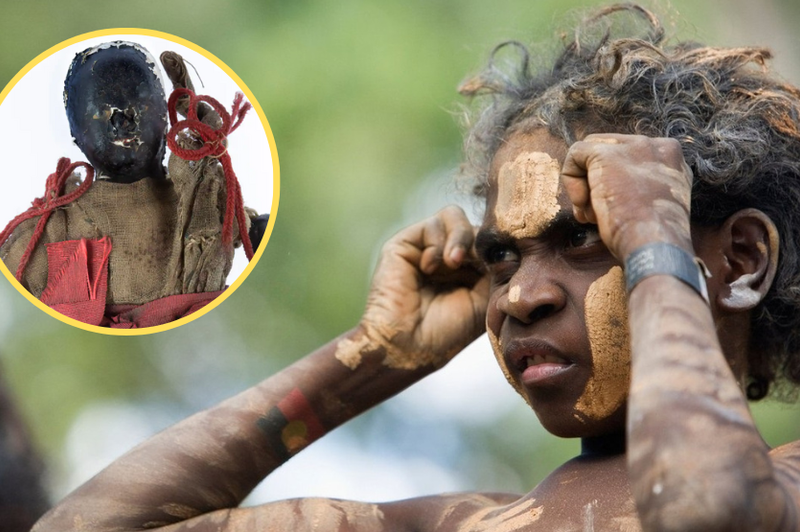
(541, 312)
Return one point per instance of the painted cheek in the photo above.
(606, 311)
(527, 194)
(501, 361)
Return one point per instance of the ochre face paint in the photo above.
(606, 310)
(514, 293)
(501, 361)
(527, 194)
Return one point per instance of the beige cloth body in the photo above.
(165, 234)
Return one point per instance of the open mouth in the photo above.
(537, 362)
(537, 359)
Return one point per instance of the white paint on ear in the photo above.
(742, 295)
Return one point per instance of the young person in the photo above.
(639, 284)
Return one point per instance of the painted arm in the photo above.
(426, 303)
(696, 460)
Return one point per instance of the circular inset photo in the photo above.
(142, 181)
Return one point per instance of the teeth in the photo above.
(538, 359)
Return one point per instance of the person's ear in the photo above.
(750, 244)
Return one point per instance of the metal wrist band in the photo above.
(661, 258)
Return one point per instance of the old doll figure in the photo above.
(133, 244)
(639, 285)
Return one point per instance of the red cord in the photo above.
(213, 146)
(44, 206)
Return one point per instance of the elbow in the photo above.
(723, 501)
(687, 511)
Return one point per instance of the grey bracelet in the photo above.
(661, 258)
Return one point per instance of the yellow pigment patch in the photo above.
(380, 337)
(514, 293)
(348, 352)
(501, 361)
(516, 517)
(606, 310)
(527, 194)
(295, 436)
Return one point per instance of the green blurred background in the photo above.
(361, 100)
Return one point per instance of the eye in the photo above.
(500, 254)
(583, 236)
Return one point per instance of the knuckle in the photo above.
(670, 147)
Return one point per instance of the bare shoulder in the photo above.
(786, 464)
(786, 460)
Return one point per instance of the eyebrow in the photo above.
(488, 237)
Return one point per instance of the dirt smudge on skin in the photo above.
(527, 196)
(606, 310)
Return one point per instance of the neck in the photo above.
(606, 445)
(156, 171)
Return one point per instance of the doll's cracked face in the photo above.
(117, 111)
(557, 314)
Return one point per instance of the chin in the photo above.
(125, 166)
(566, 422)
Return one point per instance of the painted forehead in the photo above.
(525, 192)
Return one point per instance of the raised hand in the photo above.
(428, 296)
(636, 189)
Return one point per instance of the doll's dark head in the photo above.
(117, 111)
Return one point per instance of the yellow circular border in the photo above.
(275, 181)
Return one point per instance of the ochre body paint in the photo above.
(527, 194)
(518, 516)
(606, 311)
(350, 352)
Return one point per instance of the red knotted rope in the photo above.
(213, 146)
(44, 206)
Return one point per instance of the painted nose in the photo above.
(533, 295)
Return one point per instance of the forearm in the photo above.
(213, 459)
(696, 460)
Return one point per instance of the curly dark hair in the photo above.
(736, 122)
